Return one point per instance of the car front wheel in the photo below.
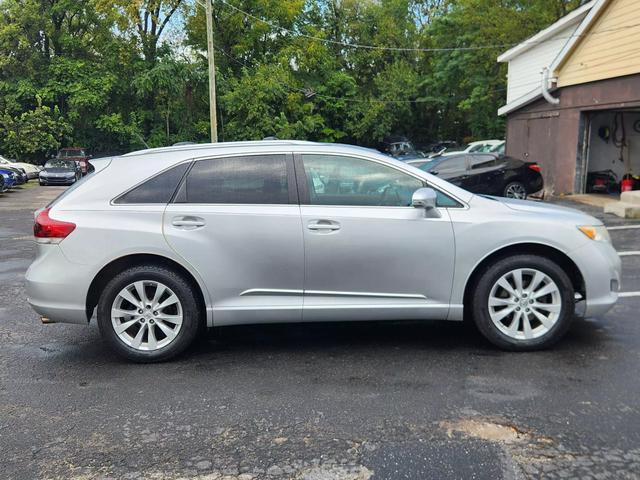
(148, 314)
(523, 302)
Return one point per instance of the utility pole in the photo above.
(212, 73)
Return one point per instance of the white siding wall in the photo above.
(525, 69)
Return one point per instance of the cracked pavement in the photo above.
(357, 401)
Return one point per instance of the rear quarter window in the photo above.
(157, 189)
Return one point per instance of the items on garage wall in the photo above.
(614, 152)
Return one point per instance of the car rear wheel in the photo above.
(148, 314)
(515, 190)
(523, 302)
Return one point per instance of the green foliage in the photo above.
(114, 75)
(38, 130)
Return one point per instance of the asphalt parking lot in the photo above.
(327, 401)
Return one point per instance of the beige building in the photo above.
(573, 98)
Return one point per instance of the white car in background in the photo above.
(31, 170)
(481, 146)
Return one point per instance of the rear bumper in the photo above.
(535, 184)
(601, 268)
(56, 288)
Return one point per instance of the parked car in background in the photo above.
(164, 242)
(499, 148)
(60, 172)
(79, 154)
(481, 146)
(9, 178)
(20, 175)
(400, 148)
(438, 147)
(486, 173)
(31, 170)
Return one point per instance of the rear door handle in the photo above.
(323, 225)
(188, 223)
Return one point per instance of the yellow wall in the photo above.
(610, 47)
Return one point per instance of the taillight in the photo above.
(535, 167)
(49, 230)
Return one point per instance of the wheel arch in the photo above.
(547, 251)
(119, 264)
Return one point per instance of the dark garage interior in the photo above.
(612, 152)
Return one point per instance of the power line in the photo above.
(413, 49)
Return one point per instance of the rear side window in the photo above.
(483, 161)
(257, 179)
(158, 189)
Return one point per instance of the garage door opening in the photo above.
(612, 152)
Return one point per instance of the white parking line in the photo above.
(626, 254)
(623, 227)
(629, 294)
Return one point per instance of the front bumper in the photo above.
(601, 269)
(57, 180)
(57, 288)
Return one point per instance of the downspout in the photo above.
(545, 88)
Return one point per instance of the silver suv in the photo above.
(161, 243)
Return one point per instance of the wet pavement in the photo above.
(400, 400)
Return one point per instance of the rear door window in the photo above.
(256, 179)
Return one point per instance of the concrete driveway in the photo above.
(326, 401)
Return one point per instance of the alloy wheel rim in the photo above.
(525, 304)
(146, 315)
(516, 191)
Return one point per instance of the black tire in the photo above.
(516, 185)
(192, 315)
(482, 290)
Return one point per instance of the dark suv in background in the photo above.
(77, 154)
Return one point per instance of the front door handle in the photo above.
(323, 225)
(188, 223)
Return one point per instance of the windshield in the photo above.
(57, 163)
(71, 153)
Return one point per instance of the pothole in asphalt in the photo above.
(485, 430)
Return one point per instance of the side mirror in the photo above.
(424, 198)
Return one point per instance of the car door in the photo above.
(236, 220)
(368, 253)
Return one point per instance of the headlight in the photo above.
(599, 233)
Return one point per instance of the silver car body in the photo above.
(268, 263)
